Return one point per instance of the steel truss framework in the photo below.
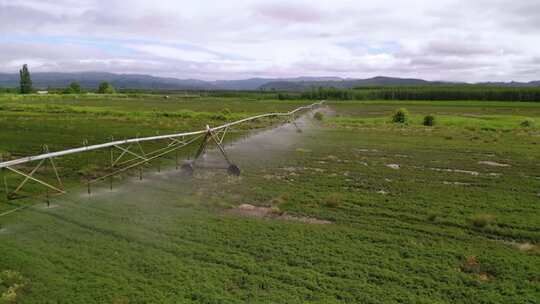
(130, 154)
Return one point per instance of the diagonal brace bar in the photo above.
(36, 180)
(28, 177)
(130, 152)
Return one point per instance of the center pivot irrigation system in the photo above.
(132, 148)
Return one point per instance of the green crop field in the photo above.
(353, 209)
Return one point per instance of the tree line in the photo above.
(458, 92)
(450, 92)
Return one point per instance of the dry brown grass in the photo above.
(482, 220)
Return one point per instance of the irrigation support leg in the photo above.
(232, 169)
(218, 143)
(112, 169)
(51, 160)
(223, 135)
(202, 147)
(6, 188)
(211, 136)
(176, 159)
(85, 144)
(5, 183)
(292, 120)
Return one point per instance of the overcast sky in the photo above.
(460, 40)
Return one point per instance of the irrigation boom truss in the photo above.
(177, 141)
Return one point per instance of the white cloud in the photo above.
(446, 39)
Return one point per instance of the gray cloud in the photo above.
(459, 48)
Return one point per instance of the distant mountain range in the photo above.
(91, 80)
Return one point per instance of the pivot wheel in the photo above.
(233, 170)
(187, 169)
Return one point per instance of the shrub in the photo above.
(12, 285)
(400, 116)
(275, 211)
(277, 201)
(482, 220)
(334, 200)
(318, 116)
(471, 265)
(105, 88)
(218, 116)
(527, 123)
(4, 155)
(73, 88)
(429, 120)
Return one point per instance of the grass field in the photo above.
(355, 209)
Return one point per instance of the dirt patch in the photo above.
(484, 277)
(524, 247)
(456, 183)
(273, 213)
(473, 173)
(52, 206)
(528, 247)
(402, 155)
(331, 158)
(270, 176)
(366, 150)
(492, 163)
(292, 169)
(473, 267)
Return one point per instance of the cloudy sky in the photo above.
(461, 40)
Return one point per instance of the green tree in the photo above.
(429, 120)
(25, 81)
(73, 88)
(400, 116)
(105, 88)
